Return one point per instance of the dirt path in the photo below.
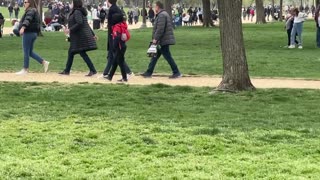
(203, 81)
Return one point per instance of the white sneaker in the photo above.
(46, 66)
(22, 72)
(130, 75)
(292, 47)
(300, 47)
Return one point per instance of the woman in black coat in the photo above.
(82, 38)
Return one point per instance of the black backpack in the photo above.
(103, 14)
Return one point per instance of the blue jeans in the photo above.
(165, 51)
(297, 29)
(28, 40)
(318, 37)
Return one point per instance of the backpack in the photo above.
(103, 14)
(123, 29)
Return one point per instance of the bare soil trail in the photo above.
(195, 81)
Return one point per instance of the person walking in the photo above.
(120, 46)
(113, 9)
(82, 38)
(317, 20)
(151, 15)
(163, 36)
(298, 21)
(10, 9)
(29, 29)
(16, 11)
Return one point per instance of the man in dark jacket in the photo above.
(163, 35)
(113, 9)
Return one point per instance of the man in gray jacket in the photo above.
(163, 35)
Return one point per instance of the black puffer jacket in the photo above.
(81, 35)
(30, 20)
(163, 29)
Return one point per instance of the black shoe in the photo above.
(175, 76)
(107, 77)
(64, 73)
(122, 81)
(91, 73)
(146, 75)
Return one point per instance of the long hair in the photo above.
(33, 4)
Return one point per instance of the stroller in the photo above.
(2, 20)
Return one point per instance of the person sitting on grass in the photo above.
(15, 31)
(299, 18)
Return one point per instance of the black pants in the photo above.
(111, 58)
(119, 60)
(165, 51)
(289, 37)
(84, 56)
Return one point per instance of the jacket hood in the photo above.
(117, 18)
(83, 11)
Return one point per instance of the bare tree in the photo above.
(168, 6)
(272, 10)
(207, 20)
(235, 68)
(39, 6)
(281, 9)
(261, 18)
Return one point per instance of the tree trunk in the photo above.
(207, 20)
(39, 8)
(317, 3)
(144, 18)
(281, 10)
(168, 6)
(272, 10)
(235, 68)
(261, 18)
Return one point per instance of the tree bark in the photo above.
(273, 9)
(168, 6)
(261, 18)
(281, 10)
(235, 68)
(207, 20)
(39, 8)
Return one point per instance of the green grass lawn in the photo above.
(197, 52)
(56, 131)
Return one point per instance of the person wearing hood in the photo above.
(113, 9)
(120, 47)
(29, 29)
(82, 38)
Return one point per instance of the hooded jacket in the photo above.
(117, 30)
(81, 34)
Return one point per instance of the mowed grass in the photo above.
(56, 131)
(197, 52)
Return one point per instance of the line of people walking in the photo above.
(83, 39)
